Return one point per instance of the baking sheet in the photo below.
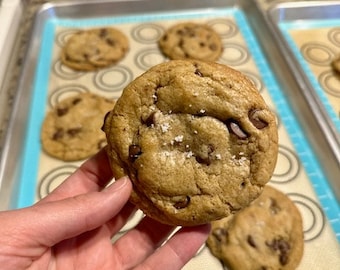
(297, 173)
(315, 42)
(308, 33)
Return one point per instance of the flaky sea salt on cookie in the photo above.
(196, 138)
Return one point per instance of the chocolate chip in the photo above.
(274, 207)
(255, 119)
(213, 47)
(180, 32)
(58, 134)
(235, 128)
(69, 58)
(219, 233)
(282, 246)
(203, 160)
(150, 120)
(182, 202)
(198, 72)
(62, 111)
(283, 258)
(103, 32)
(73, 131)
(251, 241)
(165, 38)
(111, 42)
(76, 101)
(134, 152)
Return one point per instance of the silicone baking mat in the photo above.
(297, 173)
(315, 44)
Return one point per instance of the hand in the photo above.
(72, 227)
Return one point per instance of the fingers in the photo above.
(147, 236)
(178, 250)
(52, 222)
(93, 175)
(118, 222)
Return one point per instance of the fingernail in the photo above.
(117, 185)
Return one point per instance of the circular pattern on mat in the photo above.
(65, 91)
(334, 36)
(234, 54)
(65, 72)
(113, 79)
(148, 58)
(225, 28)
(330, 83)
(147, 33)
(311, 212)
(53, 178)
(63, 36)
(289, 166)
(317, 53)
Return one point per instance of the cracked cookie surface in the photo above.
(72, 129)
(268, 234)
(191, 41)
(93, 49)
(196, 139)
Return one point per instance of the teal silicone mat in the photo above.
(298, 173)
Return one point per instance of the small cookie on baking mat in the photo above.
(72, 129)
(268, 234)
(191, 41)
(93, 49)
(196, 138)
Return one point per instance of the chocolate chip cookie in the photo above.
(72, 129)
(94, 48)
(266, 235)
(196, 138)
(191, 41)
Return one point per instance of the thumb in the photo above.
(50, 223)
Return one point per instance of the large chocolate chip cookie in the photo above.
(196, 138)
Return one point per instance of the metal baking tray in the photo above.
(307, 32)
(27, 174)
